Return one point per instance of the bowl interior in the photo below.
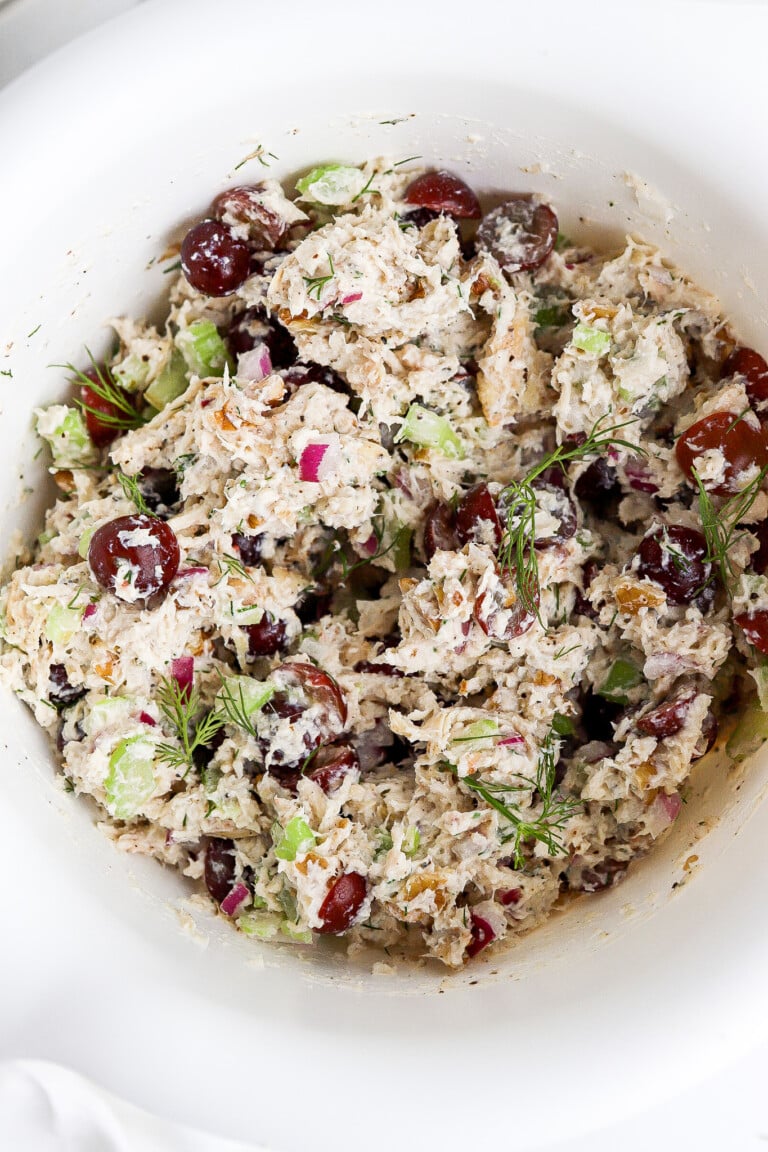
(636, 953)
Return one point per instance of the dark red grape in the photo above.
(213, 260)
(317, 687)
(331, 764)
(242, 206)
(345, 898)
(674, 558)
(488, 608)
(554, 499)
(141, 550)
(219, 868)
(379, 669)
(598, 717)
(520, 234)
(751, 365)
(421, 216)
(248, 547)
(758, 561)
(482, 935)
(101, 432)
(440, 530)
(313, 606)
(601, 876)
(62, 693)
(667, 718)
(598, 484)
(477, 519)
(160, 489)
(443, 192)
(743, 446)
(510, 896)
(301, 374)
(267, 637)
(754, 625)
(254, 327)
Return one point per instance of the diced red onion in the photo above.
(510, 896)
(351, 299)
(668, 806)
(371, 544)
(482, 935)
(319, 460)
(255, 364)
(89, 611)
(185, 573)
(147, 719)
(638, 477)
(512, 740)
(234, 899)
(182, 671)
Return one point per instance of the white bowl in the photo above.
(115, 142)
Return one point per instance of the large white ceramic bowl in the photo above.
(627, 117)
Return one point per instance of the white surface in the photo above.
(128, 1000)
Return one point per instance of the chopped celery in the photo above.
(411, 841)
(622, 676)
(760, 676)
(251, 614)
(430, 430)
(748, 735)
(131, 780)
(203, 349)
(171, 383)
(297, 838)
(480, 730)
(293, 932)
(210, 777)
(562, 725)
(383, 842)
(552, 316)
(331, 184)
(593, 340)
(108, 712)
(262, 925)
(131, 372)
(66, 432)
(85, 540)
(242, 696)
(62, 623)
(401, 548)
(288, 903)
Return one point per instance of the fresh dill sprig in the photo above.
(230, 566)
(517, 551)
(720, 526)
(234, 709)
(362, 192)
(180, 708)
(315, 284)
(556, 810)
(130, 487)
(335, 551)
(121, 415)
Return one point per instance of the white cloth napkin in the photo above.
(47, 1108)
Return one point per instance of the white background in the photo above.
(729, 1112)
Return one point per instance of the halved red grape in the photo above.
(675, 558)
(134, 556)
(379, 669)
(443, 192)
(345, 898)
(62, 693)
(743, 446)
(667, 718)
(160, 489)
(440, 530)
(267, 637)
(213, 260)
(754, 625)
(751, 365)
(101, 432)
(758, 561)
(219, 868)
(248, 547)
(317, 687)
(477, 519)
(242, 206)
(554, 499)
(331, 764)
(420, 216)
(482, 935)
(598, 484)
(253, 327)
(520, 234)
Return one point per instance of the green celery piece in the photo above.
(131, 372)
(480, 730)
(170, 384)
(244, 694)
(401, 550)
(66, 432)
(552, 316)
(760, 676)
(108, 712)
(62, 623)
(431, 431)
(297, 838)
(331, 184)
(749, 735)
(562, 725)
(203, 349)
(85, 540)
(296, 934)
(411, 841)
(250, 615)
(622, 676)
(262, 925)
(383, 842)
(593, 340)
(131, 780)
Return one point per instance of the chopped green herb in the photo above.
(180, 708)
(315, 284)
(130, 487)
